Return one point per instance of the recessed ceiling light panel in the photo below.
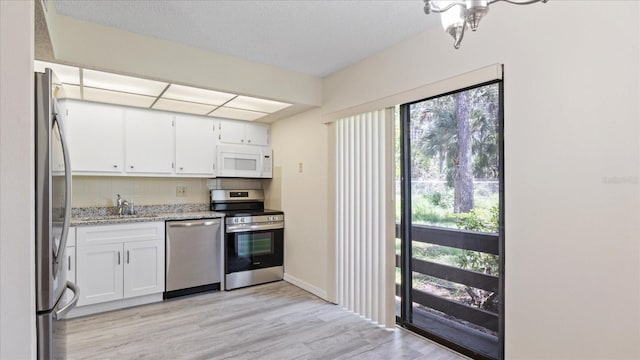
(118, 98)
(183, 106)
(103, 80)
(255, 104)
(237, 114)
(191, 94)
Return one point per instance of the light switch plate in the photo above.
(181, 191)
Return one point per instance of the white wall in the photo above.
(572, 75)
(17, 226)
(302, 140)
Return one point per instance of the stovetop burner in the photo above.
(238, 213)
(240, 203)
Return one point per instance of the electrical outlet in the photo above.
(181, 191)
(300, 167)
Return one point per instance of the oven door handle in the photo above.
(246, 227)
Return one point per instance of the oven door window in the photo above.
(254, 244)
(254, 250)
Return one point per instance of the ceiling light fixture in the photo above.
(456, 16)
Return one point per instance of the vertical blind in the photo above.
(364, 216)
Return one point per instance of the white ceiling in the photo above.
(308, 36)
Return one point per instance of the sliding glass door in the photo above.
(451, 230)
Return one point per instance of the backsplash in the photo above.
(100, 191)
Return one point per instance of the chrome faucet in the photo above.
(123, 206)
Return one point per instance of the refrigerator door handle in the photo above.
(67, 182)
(76, 295)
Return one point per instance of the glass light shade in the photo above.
(454, 17)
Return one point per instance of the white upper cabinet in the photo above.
(96, 141)
(148, 141)
(195, 145)
(120, 141)
(257, 134)
(238, 132)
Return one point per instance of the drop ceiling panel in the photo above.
(183, 106)
(237, 114)
(191, 94)
(255, 104)
(118, 98)
(109, 81)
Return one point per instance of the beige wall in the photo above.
(17, 224)
(101, 190)
(572, 166)
(302, 140)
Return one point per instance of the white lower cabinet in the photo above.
(70, 263)
(143, 268)
(100, 273)
(116, 262)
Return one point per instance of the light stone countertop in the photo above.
(149, 213)
(122, 219)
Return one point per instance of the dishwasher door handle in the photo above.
(193, 224)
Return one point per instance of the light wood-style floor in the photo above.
(270, 321)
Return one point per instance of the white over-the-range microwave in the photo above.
(245, 161)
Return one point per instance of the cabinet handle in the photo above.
(115, 166)
(131, 166)
(118, 257)
(127, 256)
(69, 262)
(249, 141)
(181, 168)
(241, 140)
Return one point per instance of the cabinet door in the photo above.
(231, 132)
(70, 262)
(195, 145)
(99, 273)
(96, 137)
(144, 268)
(70, 268)
(148, 141)
(256, 134)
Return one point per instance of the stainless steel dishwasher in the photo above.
(193, 256)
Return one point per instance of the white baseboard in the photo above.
(306, 286)
(112, 305)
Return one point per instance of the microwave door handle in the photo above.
(261, 163)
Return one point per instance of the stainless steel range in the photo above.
(254, 238)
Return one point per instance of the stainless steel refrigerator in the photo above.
(53, 214)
